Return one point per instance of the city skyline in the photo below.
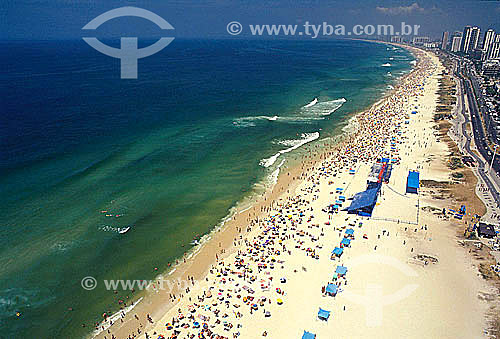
(62, 19)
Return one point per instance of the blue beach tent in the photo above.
(364, 201)
(349, 231)
(331, 289)
(341, 270)
(323, 314)
(308, 335)
(338, 251)
(345, 242)
(413, 182)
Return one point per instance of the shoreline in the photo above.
(220, 242)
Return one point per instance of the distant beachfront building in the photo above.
(444, 40)
(491, 68)
(489, 39)
(470, 38)
(494, 49)
(455, 43)
(420, 40)
(397, 39)
(431, 44)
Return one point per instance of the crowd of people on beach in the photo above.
(251, 281)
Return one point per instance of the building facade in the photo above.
(470, 38)
(489, 39)
(455, 43)
(444, 40)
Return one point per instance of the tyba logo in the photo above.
(128, 53)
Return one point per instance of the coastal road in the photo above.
(478, 134)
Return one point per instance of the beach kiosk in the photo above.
(413, 182)
(308, 335)
(323, 314)
(486, 230)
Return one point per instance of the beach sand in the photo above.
(280, 249)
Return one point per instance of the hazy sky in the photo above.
(63, 19)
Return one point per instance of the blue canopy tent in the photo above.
(339, 190)
(308, 335)
(413, 182)
(349, 231)
(364, 201)
(331, 289)
(342, 270)
(345, 242)
(323, 314)
(338, 251)
(341, 198)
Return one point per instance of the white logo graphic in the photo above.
(373, 300)
(234, 28)
(128, 53)
(89, 283)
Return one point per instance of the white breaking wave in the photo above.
(305, 138)
(275, 174)
(312, 103)
(413, 62)
(386, 65)
(323, 108)
(251, 121)
(114, 318)
(390, 87)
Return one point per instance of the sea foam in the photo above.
(294, 144)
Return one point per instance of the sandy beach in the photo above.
(271, 269)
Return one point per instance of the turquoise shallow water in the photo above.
(170, 153)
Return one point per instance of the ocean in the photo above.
(207, 124)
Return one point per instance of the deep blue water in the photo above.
(170, 153)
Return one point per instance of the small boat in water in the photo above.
(124, 230)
